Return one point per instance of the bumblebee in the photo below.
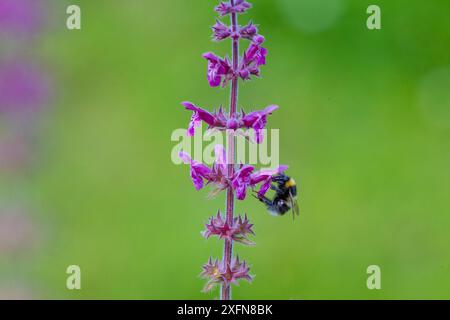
(285, 197)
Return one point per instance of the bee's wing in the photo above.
(294, 205)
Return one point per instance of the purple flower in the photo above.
(240, 6)
(216, 120)
(219, 273)
(221, 31)
(254, 57)
(198, 170)
(198, 116)
(257, 120)
(249, 31)
(219, 70)
(237, 231)
(241, 181)
(256, 53)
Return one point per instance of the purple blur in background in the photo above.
(21, 17)
(24, 95)
(17, 231)
(23, 88)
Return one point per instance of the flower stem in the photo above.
(228, 247)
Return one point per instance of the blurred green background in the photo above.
(365, 129)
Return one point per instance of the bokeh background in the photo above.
(86, 176)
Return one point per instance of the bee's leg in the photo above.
(276, 189)
(264, 200)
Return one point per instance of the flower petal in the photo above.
(241, 192)
(201, 169)
(241, 181)
(244, 172)
(194, 123)
(185, 157)
(218, 69)
(202, 114)
(257, 119)
(270, 109)
(196, 179)
(264, 188)
(198, 171)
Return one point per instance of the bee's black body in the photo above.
(285, 196)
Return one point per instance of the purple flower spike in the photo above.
(221, 31)
(218, 273)
(219, 70)
(257, 120)
(224, 174)
(240, 6)
(198, 170)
